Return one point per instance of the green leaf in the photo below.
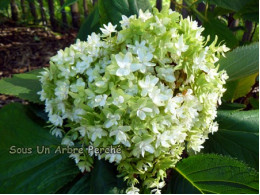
(234, 5)
(101, 180)
(30, 173)
(239, 88)
(241, 62)
(67, 3)
(254, 102)
(213, 174)
(231, 106)
(250, 11)
(24, 86)
(112, 10)
(214, 26)
(89, 25)
(4, 4)
(238, 136)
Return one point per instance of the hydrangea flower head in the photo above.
(151, 89)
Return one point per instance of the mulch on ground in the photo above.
(23, 49)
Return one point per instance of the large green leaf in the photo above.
(101, 180)
(24, 86)
(241, 62)
(214, 26)
(30, 173)
(89, 25)
(239, 88)
(4, 4)
(238, 136)
(250, 11)
(213, 174)
(112, 10)
(234, 5)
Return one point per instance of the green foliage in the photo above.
(30, 173)
(4, 4)
(101, 180)
(250, 11)
(238, 136)
(110, 11)
(24, 86)
(89, 25)
(233, 106)
(239, 88)
(234, 5)
(242, 68)
(216, 27)
(254, 103)
(241, 62)
(67, 3)
(213, 174)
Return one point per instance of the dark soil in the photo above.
(23, 49)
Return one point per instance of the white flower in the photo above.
(199, 61)
(99, 100)
(75, 157)
(193, 24)
(108, 29)
(81, 130)
(148, 84)
(61, 107)
(90, 74)
(177, 136)
(160, 95)
(121, 136)
(196, 142)
(97, 132)
(180, 46)
(111, 120)
(77, 114)
(142, 147)
(163, 139)
(125, 21)
(83, 166)
(118, 100)
(55, 119)
(144, 57)
(81, 66)
(132, 190)
(167, 74)
(42, 95)
(213, 127)
(67, 141)
(125, 64)
(173, 104)
(62, 90)
(156, 191)
(79, 84)
(57, 132)
(113, 158)
(138, 46)
(173, 32)
(159, 25)
(144, 15)
(141, 112)
(94, 39)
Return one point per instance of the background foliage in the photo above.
(230, 162)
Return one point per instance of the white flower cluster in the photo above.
(152, 88)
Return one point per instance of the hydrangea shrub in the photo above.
(151, 88)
